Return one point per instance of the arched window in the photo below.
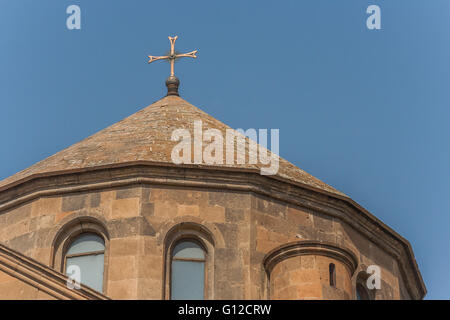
(87, 252)
(332, 269)
(188, 271)
(361, 292)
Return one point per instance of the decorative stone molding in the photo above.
(300, 248)
(168, 229)
(42, 277)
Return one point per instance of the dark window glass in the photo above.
(332, 270)
(361, 292)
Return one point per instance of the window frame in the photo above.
(69, 242)
(360, 286)
(66, 233)
(362, 292)
(188, 230)
(204, 260)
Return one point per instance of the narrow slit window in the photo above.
(332, 275)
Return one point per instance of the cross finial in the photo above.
(172, 82)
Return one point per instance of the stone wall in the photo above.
(307, 277)
(240, 227)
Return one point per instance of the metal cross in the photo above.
(173, 56)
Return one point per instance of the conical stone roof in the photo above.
(146, 136)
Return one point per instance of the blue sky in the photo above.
(366, 111)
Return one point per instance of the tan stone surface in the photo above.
(187, 210)
(123, 289)
(13, 289)
(125, 208)
(245, 227)
(46, 206)
(307, 277)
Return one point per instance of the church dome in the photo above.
(145, 137)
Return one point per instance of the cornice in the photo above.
(42, 277)
(210, 177)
